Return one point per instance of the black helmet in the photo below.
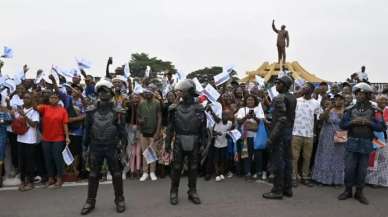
(286, 80)
(186, 85)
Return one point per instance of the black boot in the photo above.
(194, 197)
(273, 196)
(88, 207)
(119, 193)
(348, 193)
(359, 195)
(192, 193)
(288, 192)
(175, 179)
(92, 193)
(174, 197)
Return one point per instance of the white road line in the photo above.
(67, 184)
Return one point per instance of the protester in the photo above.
(302, 136)
(76, 112)
(150, 120)
(221, 129)
(135, 156)
(55, 135)
(248, 118)
(329, 159)
(27, 141)
(149, 109)
(5, 119)
(379, 175)
(14, 103)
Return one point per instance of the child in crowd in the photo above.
(221, 129)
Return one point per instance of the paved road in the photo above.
(231, 198)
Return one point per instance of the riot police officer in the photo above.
(187, 124)
(104, 138)
(279, 141)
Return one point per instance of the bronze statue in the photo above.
(283, 41)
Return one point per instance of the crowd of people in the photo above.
(40, 117)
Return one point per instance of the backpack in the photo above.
(19, 126)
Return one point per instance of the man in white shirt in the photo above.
(303, 132)
(362, 76)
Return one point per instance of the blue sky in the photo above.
(329, 38)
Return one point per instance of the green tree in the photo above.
(139, 62)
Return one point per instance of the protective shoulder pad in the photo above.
(172, 107)
(90, 108)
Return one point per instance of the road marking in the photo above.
(67, 184)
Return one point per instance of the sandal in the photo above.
(28, 187)
(58, 184)
(21, 187)
(49, 184)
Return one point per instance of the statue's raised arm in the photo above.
(274, 27)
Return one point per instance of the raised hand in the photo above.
(110, 60)
(25, 68)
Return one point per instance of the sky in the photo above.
(329, 38)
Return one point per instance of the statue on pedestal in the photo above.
(283, 41)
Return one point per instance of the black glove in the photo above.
(85, 154)
(269, 145)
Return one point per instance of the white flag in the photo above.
(210, 120)
(127, 71)
(19, 77)
(66, 73)
(180, 75)
(260, 81)
(138, 89)
(198, 85)
(229, 68)
(211, 93)
(221, 78)
(260, 112)
(8, 52)
(147, 71)
(235, 134)
(150, 155)
(10, 84)
(217, 109)
(83, 64)
(272, 92)
(67, 156)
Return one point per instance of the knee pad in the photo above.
(177, 166)
(116, 174)
(93, 174)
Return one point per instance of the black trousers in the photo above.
(96, 159)
(12, 138)
(282, 162)
(40, 167)
(177, 165)
(356, 169)
(26, 161)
